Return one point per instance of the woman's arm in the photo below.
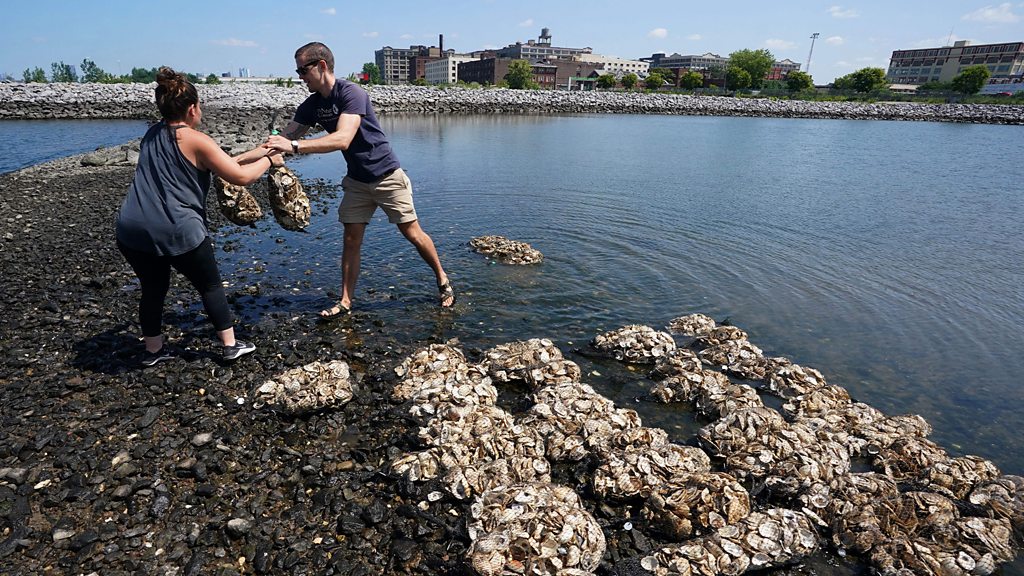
(210, 157)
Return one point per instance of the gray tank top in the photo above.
(164, 212)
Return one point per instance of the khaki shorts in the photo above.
(393, 193)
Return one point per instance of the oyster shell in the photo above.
(506, 251)
(236, 203)
(699, 503)
(533, 528)
(313, 387)
(692, 325)
(536, 361)
(639, 471)
(634, 343)
(288, 201)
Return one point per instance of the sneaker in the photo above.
(238, 350)
(154, 358)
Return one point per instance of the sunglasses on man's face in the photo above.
(301, 70)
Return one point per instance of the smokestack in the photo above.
(440, 41)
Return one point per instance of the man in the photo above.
(374, 178)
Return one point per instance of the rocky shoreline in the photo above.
(37, 101)
(108, 468)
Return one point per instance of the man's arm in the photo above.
(340, 139)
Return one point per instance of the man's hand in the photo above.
(278, 143)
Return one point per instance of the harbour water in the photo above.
(28, 142)
(886, 254)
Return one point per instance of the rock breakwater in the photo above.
(38, 101)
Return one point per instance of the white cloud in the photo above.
(373, 34)
(526, 23)
(658, 33)
(694, 37)
(777, 44)
(866, 59)
(329, 11)
(235, 42)
(835, 40)
(838, 12)
(406, 36)
(1001, 14)
(844, 64)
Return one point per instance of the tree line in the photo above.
(88, 71)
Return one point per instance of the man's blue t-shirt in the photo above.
(369, 156)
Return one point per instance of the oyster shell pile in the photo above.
(768, 539)
(692, 325)
(288, 201)
(634, 343)
(506, 251)
(537, 362)
(703, 502)
(642, 470)
(566, 415)
(534, 528)
(236, 203)
(909, 514)
(315, 386)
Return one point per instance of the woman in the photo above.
(162, 222)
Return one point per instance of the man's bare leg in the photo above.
(352, 245)
(425, 246)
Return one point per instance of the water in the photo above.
(28, 142)
(886, 254)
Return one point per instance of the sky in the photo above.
(215, 36)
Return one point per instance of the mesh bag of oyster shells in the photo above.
(567, 414)
(506, 251)
(507, 362)
(315, 386)
(427, 366)
(699, 503)
(534, 528)
(467, 480)
(642, 470)
(487, 433)
(236, 203)
(768, 539)
(634, 343)
(288, 201)
(692, 325)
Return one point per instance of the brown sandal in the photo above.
(444, 292)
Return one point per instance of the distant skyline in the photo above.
(216, 37)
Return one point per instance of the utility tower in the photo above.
(811, 53)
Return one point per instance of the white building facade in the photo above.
(445, 70)
(611, 64)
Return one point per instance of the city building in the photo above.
(611, 64)
(780, 69)
(1005, 63)
(403, 65)
(445, 70)
(539, 49)
(706, 61)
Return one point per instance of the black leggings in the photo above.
(154, 273)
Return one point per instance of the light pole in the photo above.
(811, 53)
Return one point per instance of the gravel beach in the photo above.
(108, 468)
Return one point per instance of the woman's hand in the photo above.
(276, 159)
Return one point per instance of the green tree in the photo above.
(863, 80)
(34, 75)
(61, 72)
(629, 80)
(606, 81)
(737, 78)
(212, 79)
(654, 81)
(757, 64)
(934, 86)
(520, 75)
(667, 74)
(419, 82)
(93, 73)
(372, 72)
(797, 81)
(971, 79)
(691, 80)
(143, 76)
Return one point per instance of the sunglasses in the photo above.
(301, 70)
